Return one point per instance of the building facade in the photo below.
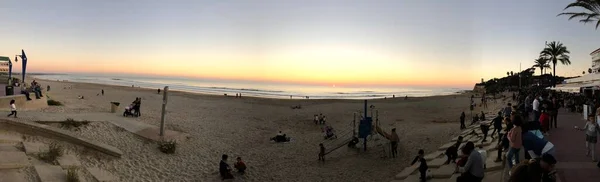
(595, 61)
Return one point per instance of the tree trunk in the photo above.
(554, 76)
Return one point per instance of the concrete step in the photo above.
(10, 138)
(50, 173)
(67, 161)
(101, 175)
(12, 175)
(13, 160)
(9, 147)
(32, 148)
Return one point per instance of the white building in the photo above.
(595, 61)
(4, 61)
(587, 81)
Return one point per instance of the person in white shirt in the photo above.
(13, 108)
(483, 153)
(536, 109)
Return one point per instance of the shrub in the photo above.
(167, 147)
(54, 103)
(54, 152)
(71, 123)
(72, 175)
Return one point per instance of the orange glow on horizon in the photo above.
(311, 65)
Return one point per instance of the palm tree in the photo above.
(555, 52)
(541, 63)
(591, 11)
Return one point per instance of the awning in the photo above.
(2, 58)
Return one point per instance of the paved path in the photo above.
(144, 130)
(573, 165)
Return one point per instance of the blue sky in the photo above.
(400, 41)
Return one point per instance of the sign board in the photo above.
(365, 127)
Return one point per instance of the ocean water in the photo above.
(255, 89)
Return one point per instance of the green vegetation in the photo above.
(167, 147)
(72, 175)
(556, 52)
(590, 14)
(54, 103)
(53, 153)
(71, 123)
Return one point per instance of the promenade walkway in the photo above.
(573, 165)
(141, 129)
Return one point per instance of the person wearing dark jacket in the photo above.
(497, 122)
(224, 168)
(423, 166)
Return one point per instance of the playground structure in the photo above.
(363, 131)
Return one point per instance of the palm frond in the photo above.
(590, 8)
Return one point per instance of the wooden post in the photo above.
(164, 107)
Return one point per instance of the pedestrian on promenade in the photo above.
(516, 142)
(591, 129)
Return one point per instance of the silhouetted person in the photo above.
(462, 120)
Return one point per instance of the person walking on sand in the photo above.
(13, 109)
(462, 120)
(321, 152)
(158, 91)
(591, 129)
(102, 92)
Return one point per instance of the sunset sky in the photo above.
(387, 42)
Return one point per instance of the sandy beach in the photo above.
(242, 127)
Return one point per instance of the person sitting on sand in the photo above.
(240, 166)
(452, 151)
(353, 142)
(329, 132)
(224, 168)
(280, 137)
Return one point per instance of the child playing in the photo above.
(591, 136)
(240, 166)
(13, 109)
(322, 152)
(452, 151)
(423, 167)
